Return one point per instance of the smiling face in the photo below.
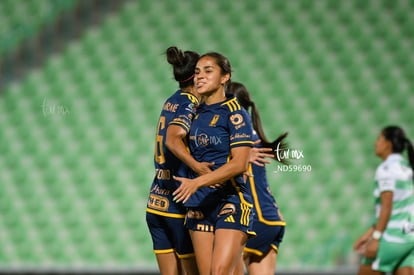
(209, 78)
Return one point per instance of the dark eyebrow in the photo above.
(205, 67)
(208, 67)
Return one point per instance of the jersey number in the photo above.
(159, 152)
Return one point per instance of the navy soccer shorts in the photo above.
(169, 235)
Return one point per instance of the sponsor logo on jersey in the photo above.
(240, 136)
(205, 227)
(236, 119)
(202, 140)
(158, 202)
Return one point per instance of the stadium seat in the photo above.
(77, 133)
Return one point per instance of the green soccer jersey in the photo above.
(395, 175)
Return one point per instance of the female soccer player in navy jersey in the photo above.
(219, 218)
(260, 252)
(165, 218)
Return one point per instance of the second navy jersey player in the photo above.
(179, 109)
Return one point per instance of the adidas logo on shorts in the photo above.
(230, 219)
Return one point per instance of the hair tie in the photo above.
(185, 80)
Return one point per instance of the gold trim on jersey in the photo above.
(190, 96)
(179, 123)
(257, 203)
(165, 214)
(245, 216)
(247, 142)
(244, 205)
(233, 104)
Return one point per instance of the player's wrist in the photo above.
(376, 235)
(198, 182)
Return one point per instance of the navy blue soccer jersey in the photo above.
(179, 110)
(216, 129)
(268, 222)
(267, 210)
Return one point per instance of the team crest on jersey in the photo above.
(236, 119)
(214, 120)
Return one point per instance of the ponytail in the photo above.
(410, 152)
(400, 142)
(278, 144)
(184, 63)
(240, 91)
